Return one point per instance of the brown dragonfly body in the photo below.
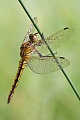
(26, 50)
(40, 64)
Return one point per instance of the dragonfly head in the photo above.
(33, 37)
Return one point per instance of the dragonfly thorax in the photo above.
(27, 48)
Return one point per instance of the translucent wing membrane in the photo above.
(46, 64)
(30, 31)
(57, 39)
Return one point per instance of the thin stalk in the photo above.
(43, 38)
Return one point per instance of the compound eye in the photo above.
(31, 36)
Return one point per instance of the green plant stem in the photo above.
(43, 38)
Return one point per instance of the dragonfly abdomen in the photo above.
(21, 67)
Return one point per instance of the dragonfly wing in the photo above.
(30, 31)
(57, 39)
(46, 64)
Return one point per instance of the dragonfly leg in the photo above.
(50, 54)
(36, 33)
(39, 53)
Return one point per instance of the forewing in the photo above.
(30, 31)
(46, 64)
(57, 39)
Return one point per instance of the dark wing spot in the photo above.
(62, 57)
(66, 28)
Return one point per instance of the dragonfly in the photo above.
(31, 56)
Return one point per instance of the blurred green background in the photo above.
(39, 97)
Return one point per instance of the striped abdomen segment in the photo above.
(21, 67)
